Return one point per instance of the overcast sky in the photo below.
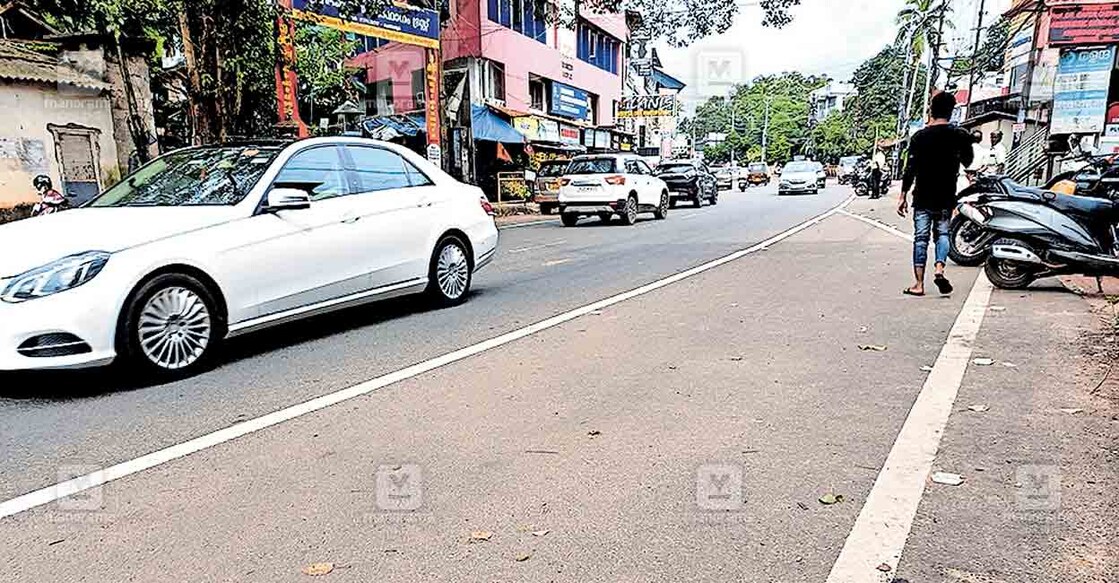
(826, 37)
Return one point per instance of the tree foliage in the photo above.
(325, 82)
(680, 22)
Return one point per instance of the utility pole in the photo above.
(765, 133)
(975, 54)
(733, 130)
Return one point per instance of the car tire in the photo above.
(714, 199)
(170, 328)
(605, 217)
(547, 209)
(569, 219)
(662, 209)
(697, 200)
(629, 213)
(450, 272)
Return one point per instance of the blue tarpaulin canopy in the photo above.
(385, 127)
(667, 81)
(490, 127)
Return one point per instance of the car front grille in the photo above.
(53, 344)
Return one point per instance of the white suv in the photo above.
(605, 185)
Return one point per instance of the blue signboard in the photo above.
(569, 101)
(405, 24)
(1080, 92)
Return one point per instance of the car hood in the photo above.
(33, 242)
(799, 176)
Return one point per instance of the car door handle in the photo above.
(351, 220)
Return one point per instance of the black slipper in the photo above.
(910, 292)
(943, 284)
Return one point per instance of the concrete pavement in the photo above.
(589, 451)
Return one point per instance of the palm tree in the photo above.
(920, 24)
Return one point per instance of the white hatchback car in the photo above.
(206, 243)
(603, 185)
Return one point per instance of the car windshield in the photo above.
(675, 169)
(192, 177)
(757, 168)
(592, 166)
(552, 169)
(800, 167)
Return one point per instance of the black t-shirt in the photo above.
(936, 154)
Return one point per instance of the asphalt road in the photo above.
(53, 423)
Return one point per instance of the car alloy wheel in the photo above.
(629, 213)
(452, 271)
(174, 328)
(662, 209)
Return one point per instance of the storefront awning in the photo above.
(488, 126)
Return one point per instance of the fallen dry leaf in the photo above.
(1072, 411)
(594, 433)
(829, 499)
(998, 309)
(983, 361)
(885, 568)
(926, 368)
(540, 532)
(318, 569)
(872, 348)
(523, 557)
(480, 536)
(979, 408)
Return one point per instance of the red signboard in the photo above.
(1084, 24)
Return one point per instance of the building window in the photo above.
(419, 79)
(493, 80)
(523, 16)
(537, 90)
(597, 48)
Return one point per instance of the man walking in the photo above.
(936, 155)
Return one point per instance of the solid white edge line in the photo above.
(879, 224)
(501, 227)
(70, 487)
(883, 525)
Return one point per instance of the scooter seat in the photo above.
(1096, 208)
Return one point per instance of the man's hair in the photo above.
(942, 105)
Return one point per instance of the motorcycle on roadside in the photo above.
(971, 243)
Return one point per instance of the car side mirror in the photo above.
(287, 199)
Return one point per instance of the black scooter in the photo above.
(971, 244)
(1035, 239)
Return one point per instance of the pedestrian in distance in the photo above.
(936, 155)
(996, 160)
(877, 172)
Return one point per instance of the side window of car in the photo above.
(644, 167)
(377, 169)
(321, 166)
(632, 167)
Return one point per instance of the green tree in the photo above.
(325, 82)
(835, 136)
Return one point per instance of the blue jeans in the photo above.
(925, 222)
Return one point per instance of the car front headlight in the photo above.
(59, 276)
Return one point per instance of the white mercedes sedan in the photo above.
(207, 243)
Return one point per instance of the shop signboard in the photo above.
(1080, 93)
(395, 22)
(569, 101)
(568, 134)
(602, 139)
(647, 106)
(1084, 24)
(588, 138)
(549, 131)
(528, 126)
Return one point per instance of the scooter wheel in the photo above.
(1007, 274)
(964, 251)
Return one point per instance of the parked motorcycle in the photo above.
(970, 242)
(1051, 235)
(863, 180)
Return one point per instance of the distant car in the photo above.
(548, 184)
(757, 174)
(821, 175)
(689, 181)
(799, 177)
(206, 243)
(605, 185)
(724, 177)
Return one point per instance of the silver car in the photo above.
(799, 177)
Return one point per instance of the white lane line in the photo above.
(535, 247)
(886, 518)
(529, 224)
(156, 458)
(879, 224)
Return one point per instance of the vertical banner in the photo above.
(432, 113)
(287, 103)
